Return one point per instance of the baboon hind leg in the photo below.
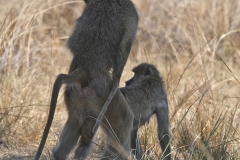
(118, 136)
(114, 151)
(85, 143)
(67, 140)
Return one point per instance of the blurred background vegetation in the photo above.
(194, 44)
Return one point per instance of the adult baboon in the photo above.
(146, 96)
(82, 114)
(100, 42)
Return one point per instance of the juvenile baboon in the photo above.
(146, 96)
(100, 43)
(82, 114)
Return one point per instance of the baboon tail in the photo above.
(61, 79)
(56, 87)
(105, 106)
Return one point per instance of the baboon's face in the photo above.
(129, 82)
(140, 74)
(137, 76)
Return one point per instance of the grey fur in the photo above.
(146, 95)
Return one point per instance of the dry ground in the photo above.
(195, 45)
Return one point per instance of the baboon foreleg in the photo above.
(136, 145)
(163, 131)
(165, 145)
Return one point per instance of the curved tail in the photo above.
(61, 79)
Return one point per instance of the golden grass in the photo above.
(194, 44)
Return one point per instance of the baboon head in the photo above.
(142, 72)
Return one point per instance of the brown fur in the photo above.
(83, 112)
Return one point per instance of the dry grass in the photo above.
(194, 44)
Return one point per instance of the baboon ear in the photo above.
(149, 71)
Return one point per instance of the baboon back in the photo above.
(98, 34)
